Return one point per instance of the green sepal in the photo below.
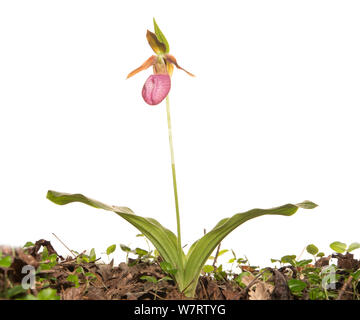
(161, 37)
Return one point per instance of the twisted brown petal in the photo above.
(171, 59)
(148, 63)
(155, 44)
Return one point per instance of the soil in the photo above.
(124, 281)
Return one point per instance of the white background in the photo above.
(271, 118)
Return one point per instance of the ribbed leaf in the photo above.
(201, 249)
(163, 239)
(189, 266)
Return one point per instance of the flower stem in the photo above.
(173, 174)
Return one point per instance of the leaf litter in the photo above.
(80, 278)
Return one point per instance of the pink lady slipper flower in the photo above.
(157, 86)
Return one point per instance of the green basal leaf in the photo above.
(201, 249)
(163, 239)
(188, 267)
(312, 249)
(353, 246)
(161, 36)
(65, 198)
(338, 246)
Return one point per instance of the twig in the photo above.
(299, 256)
(63, 244)
(216, 255)
(204, 289)
(346, 284)
(156, 295)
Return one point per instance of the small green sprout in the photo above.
(239, 278)
(74, 279)
(111, 249)
(341, 247)
(208, 268)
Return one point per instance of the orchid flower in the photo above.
(157, 86)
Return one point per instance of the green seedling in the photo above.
(341, 247)
(127, 250)
(291, 259)
(74, 278)
(208, 268)
(142, 255)
(88, 276)
(239, 278)
(156, 281)
(92, 255)
(111, 249)
(314, 251)
(28, 244)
